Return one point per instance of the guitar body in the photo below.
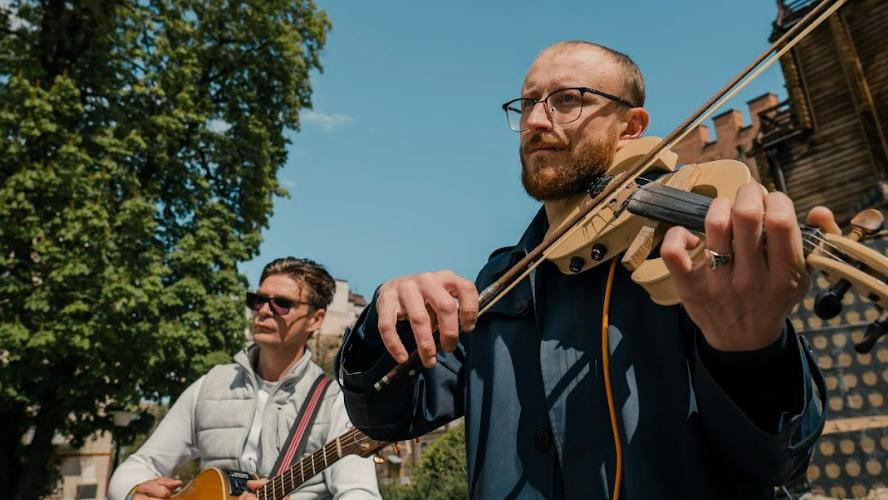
(215, 484)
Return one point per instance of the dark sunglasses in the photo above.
(278, 305)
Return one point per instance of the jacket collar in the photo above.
(532, 237)
(534, 233)
(249, 356)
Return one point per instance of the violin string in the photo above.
(669, 194)
(813, 240)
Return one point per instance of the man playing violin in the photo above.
(716, 398)
(238, 416)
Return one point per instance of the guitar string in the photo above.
(289, 474)
(329, 450)
(346, 439)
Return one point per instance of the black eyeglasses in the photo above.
(562, 106)
(278, 305)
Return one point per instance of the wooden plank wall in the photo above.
(832, 165)
(867, 22)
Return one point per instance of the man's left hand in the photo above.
(742, 304)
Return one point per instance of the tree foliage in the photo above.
(441, 475)
(139, 147)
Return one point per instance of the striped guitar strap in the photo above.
(298, 438)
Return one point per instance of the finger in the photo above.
(169, 482)
(467, 297)
(674, 251)
(823, 218)
(256, 483)
(786, 261)
(719, 233)
(746, 229)
(414, 305)
(445, 308)
(153, 489)
(719, 239)
(387, 308)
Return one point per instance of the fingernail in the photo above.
(470, 327)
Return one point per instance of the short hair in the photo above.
(321, 285)
(632, 77)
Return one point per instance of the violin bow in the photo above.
(516, 273)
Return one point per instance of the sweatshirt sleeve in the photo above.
(171, 444)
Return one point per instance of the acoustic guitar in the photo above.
(218, 484)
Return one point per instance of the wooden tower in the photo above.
(826, 144)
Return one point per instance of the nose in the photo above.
(264, 310)
(538, 117)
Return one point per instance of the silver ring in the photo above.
(717, 260)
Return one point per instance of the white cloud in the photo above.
(326, 121)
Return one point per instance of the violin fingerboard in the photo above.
(672, 206)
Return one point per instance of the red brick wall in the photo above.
(733, 138)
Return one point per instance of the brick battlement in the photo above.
(733, 137)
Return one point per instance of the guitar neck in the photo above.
(295, 476)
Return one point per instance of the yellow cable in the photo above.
(605, 366)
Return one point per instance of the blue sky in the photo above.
(406, 163)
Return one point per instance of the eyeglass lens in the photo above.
(563, 106)
(278, 305)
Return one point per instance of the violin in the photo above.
(634, 220)
(643, 193)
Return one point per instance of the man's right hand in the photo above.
(440, 300)
(161, 487)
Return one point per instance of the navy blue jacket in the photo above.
(694, 422)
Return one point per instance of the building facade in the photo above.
(826, 145)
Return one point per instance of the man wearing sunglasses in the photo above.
(717, 398)
(238, 416)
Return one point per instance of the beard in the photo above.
(574, 175)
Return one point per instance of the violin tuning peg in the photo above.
(866, 223)
(875, 331)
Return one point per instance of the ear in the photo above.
(317, 318)
(632, 125)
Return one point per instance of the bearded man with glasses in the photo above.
(238, 416)
(716, 398)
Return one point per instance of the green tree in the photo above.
(441, 475)
(139, 146)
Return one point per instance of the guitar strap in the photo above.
(295, 444)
